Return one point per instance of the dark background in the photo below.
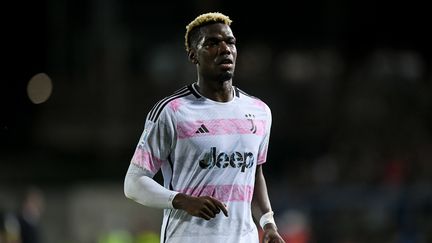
(349, 85)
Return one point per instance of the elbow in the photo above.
(128, 188)
(136, 189)
(127, 193)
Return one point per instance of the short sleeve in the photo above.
(155, 143)
(263, 148)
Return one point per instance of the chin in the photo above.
(226, 76)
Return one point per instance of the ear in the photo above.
(192, 57)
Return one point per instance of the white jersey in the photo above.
(207, 148)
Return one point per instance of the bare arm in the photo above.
(261, 205)
(260, 201)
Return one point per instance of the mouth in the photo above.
(226, 63)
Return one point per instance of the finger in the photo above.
(208, 212)
(224, 209)
(266, 239)
(275, 240)
(212, 206)
(221, 206)
(204, 215)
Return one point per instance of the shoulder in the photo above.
(252, 99)
(171, 103)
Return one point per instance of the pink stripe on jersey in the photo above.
(145, 160)
(175, 104)
(260, 104)
(224, 193)
(221, 127)
(262, 157)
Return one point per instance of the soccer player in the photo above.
(210, 140)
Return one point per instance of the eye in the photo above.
(212, 43)
(231, 41)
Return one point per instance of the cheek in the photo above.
(234, 54)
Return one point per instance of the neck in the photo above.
(217, 91)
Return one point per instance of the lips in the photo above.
(226, 61)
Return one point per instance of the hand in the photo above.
(205, 207)
(271, 235)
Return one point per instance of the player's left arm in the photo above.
(261, 209)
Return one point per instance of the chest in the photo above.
(224, 123)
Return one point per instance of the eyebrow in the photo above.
(214, 38)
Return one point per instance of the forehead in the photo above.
(216, 30)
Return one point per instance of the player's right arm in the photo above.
(143, 189)
(205, 207)
(152, 151)
(140, 187)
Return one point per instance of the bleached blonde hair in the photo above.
(201, 20)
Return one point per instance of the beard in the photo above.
(217, 75)
(225, 76)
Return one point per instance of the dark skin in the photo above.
(214, 55)
(261, 205)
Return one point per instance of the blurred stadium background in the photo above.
(349, 85)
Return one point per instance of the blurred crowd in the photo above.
(21, 224)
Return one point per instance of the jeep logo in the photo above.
(223, 160)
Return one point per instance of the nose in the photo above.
(224, 48)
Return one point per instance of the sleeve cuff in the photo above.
(171, 198)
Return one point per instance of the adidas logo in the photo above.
(202, 129)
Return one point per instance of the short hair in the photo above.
(201, 20)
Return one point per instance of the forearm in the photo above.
(261, 203)
(141, 188)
